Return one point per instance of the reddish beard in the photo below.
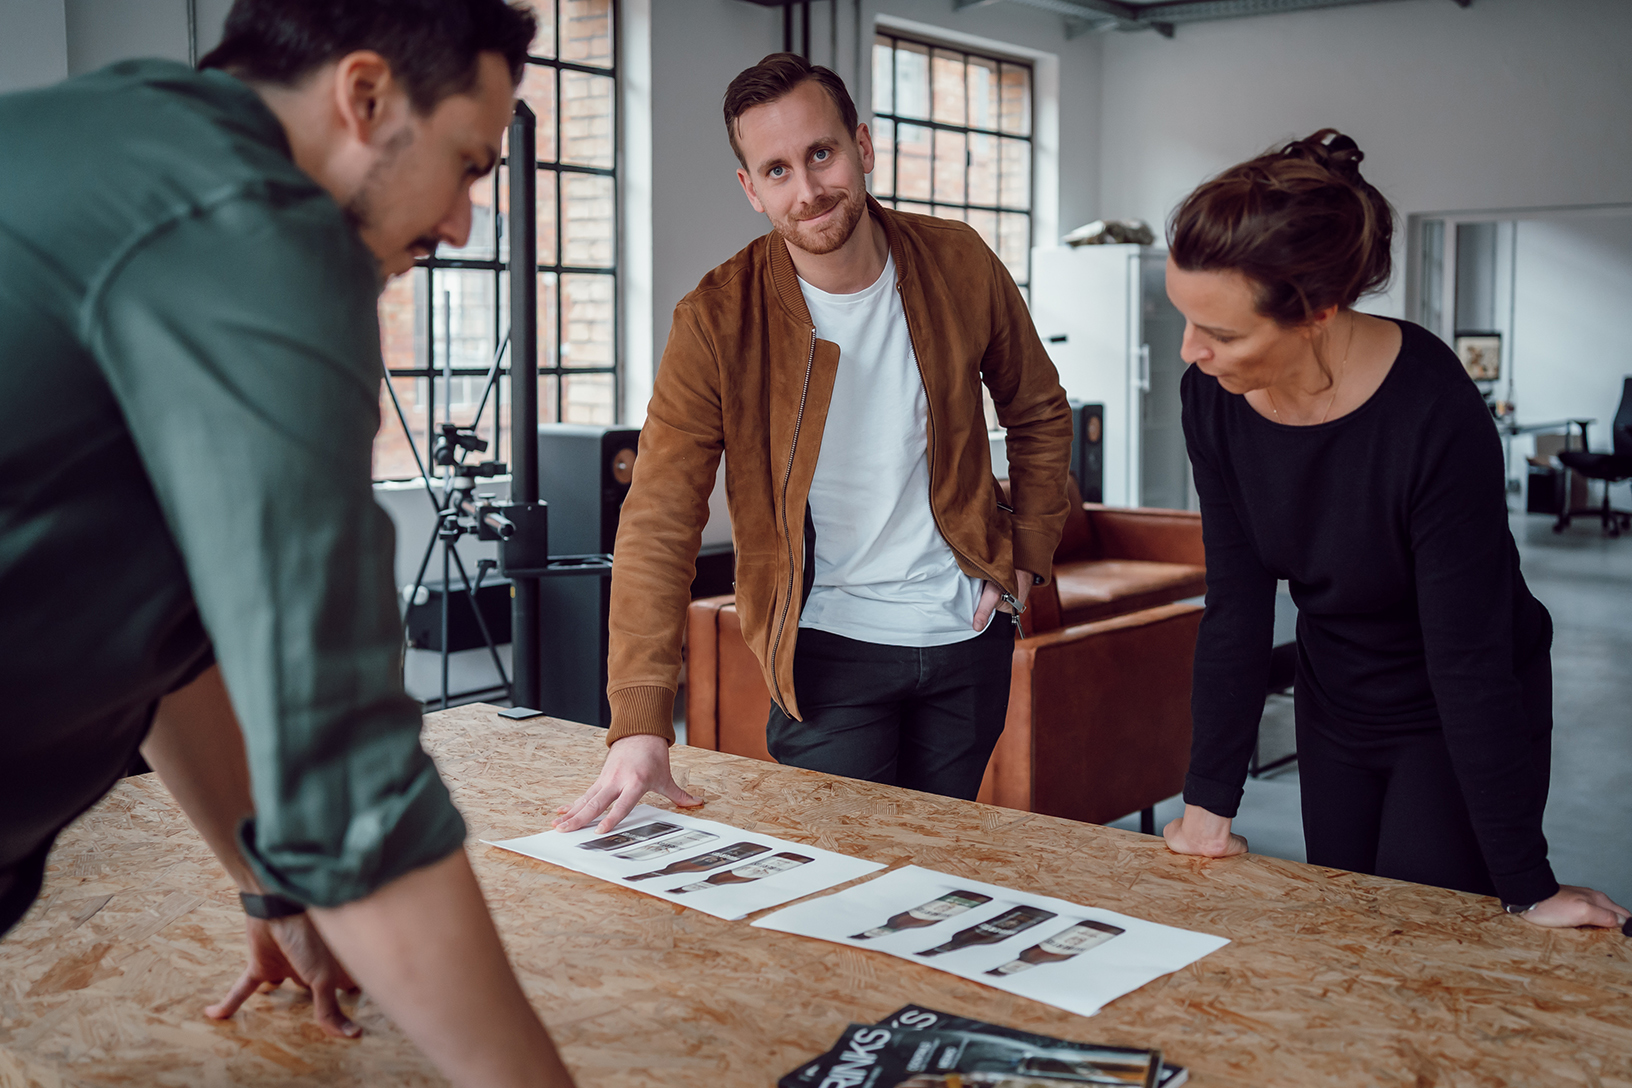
(828, 236)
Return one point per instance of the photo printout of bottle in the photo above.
(927, 914)
(702, 863)
(742, 874)
(621, 839)
(1001, 928)
(726, 861)
(673, 844)
(1073, 941)
(1073, 956)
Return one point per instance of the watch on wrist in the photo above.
(1520, 908)
(269, 907)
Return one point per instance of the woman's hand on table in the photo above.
(1573, 906)
(290, 948)
(634, 765)
(1204, 834)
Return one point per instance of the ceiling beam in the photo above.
(1099, 16)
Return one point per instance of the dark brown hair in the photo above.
(431, 45)
(1299, 222)
(775, 76)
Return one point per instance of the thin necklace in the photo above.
(1342, 372)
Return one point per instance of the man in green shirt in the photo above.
(189, 380)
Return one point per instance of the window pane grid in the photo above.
(453, 308)
(953, 131)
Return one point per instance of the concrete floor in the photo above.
(1585, 580)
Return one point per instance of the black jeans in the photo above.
(924, 718)
(1387, 801)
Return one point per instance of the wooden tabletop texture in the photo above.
(1331, 978)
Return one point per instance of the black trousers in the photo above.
(1387, 801)
(924, 718)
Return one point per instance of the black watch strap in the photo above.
(268, 907)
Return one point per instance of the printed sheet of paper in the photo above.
(1063, 954)
(713, 867)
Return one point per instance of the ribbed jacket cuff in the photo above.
(1531, 886)
(1215, 797)
(1034, 552)
(641, 710)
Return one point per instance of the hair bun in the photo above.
(1339, 154)
(1299, 221)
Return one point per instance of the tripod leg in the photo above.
(447, 549)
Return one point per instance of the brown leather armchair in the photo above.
(1113, 560)
(1099, 713)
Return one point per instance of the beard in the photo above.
(364, 207)
(827, 237)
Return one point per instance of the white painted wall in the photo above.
(1572, 292)
(33, 44)
(699, 215)
(43, 41)
(1505, 104)
(103, 31)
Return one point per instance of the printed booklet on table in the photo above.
(916, 1047)
(713, 867)
(1063, 954)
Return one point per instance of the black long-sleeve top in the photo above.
(1390, 524)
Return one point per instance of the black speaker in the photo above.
(424, 619)
(1088, 449)
(584, 474)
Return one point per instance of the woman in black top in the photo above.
(1352, 456)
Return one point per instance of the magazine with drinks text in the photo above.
(915, 1047)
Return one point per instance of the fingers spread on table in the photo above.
(247, 983)
(624, 805)
(329, 1016)
(671, 789)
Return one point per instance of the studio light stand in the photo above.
(520, 526)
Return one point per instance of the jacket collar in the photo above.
(785, 278)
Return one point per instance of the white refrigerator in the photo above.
(1105, 318)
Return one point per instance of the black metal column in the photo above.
(523, 260)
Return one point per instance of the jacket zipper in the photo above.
(787, 535)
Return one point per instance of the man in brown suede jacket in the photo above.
(837, 362)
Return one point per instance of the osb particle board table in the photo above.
(1331, 979)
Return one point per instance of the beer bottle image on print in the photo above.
(683, 841)
(742, 874)
(1001, 928)
(1062, 946)
(630, 837)
(947, 906)
(704, 862)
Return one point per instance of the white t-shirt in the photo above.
(884, 574)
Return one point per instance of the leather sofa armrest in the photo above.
(1142, 532)
(1099, 716)
(702, 670)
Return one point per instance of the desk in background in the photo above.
(1332, 979)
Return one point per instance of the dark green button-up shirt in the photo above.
(189, 381)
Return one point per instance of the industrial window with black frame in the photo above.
(442, 323)
(952, 130)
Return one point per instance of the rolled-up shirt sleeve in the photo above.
(241, 343)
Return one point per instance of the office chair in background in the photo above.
(1611, 468)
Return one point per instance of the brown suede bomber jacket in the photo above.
(744, 374)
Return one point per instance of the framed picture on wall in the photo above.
(1481, 355)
